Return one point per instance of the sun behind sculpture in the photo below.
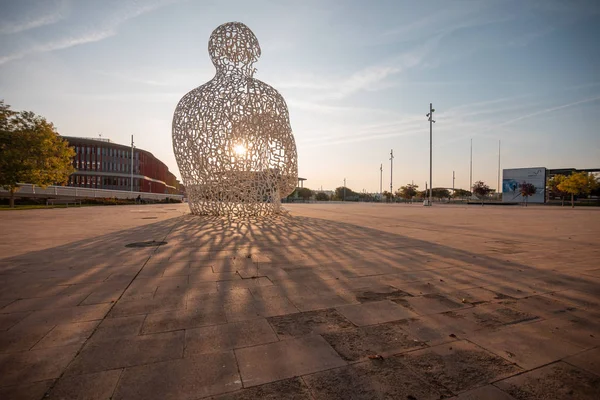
(232, 137)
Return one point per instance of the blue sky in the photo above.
(358, 77)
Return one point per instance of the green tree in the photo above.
(461, 193)
(553, 187)
(440, 193)
(322, 196)
(387, 195)
(349, 194)
(578, 183)
(527, 189)
(481, 190)
(31, 151)
(305, 193)
(407, 192)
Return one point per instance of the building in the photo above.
(102, 164)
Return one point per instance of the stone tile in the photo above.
(576, 298)
(317, 301)
(274, 306)
(378, 293)
(300, 324)
(118, 327)
(67, 334)
(7, 321)
(65, 315)
(35, 365)
(243, 283)
(429, 304)
(190, 378)
(285, 359)
(135, 307)
(488, 392)
(103, 296)
(375, 312)
(287, 389)
(44, 303)
(475, 295)
(22, 338)
(588, 360)
(525, 346)
(98, 386)
(568, 328)
(458, 366)
(377, 379)
(106, 354)
(28, 391)
(493, 316)
(386, 339)
(541, 306)
(206, 275)
(556, 381)
(218, 338)
(183, 319)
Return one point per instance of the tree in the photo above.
(388, 196)
(407, 192)
(440, 193)
(481, 190)
(349, 194)
(461, 193)
(305, 193)
(553, 187)
(322, 196)
(527, 189)
(578, 183)
(31, 151)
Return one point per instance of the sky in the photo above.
(357, 76)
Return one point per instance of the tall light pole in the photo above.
(344, 190)
(391, 169)
(132, 163)
(431, 122)
(498, 167)
(471, 170)
(453, 181)
(381, 179)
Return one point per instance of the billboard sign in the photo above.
(513, 178)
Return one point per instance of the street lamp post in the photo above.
(391, 170)
(344, 190)
(132, 163)
(431, 122)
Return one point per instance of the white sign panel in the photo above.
(512, 179)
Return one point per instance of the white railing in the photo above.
(70, 191)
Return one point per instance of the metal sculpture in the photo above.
(232, 137)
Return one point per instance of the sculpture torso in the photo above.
(233, 142)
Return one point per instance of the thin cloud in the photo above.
(25, 25)
(108, 27)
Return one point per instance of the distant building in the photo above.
(102, 164)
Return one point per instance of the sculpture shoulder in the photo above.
(269, 91)
(200, 94)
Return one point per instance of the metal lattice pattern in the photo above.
(232, 137)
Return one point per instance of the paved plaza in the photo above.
(331, 301)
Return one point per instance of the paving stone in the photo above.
(520, 345)
(568, 328)
(541, 306)
(98, 386)
(218, 338)
(22, 338)
(136, 307)
(285, 359)
(429, 304)
(377, 379)
(375, 312)
(588, 360)
(67, 334)
(576, 298)
(190, 378)
(458, 366)
(103, 296)
(305, 323)
(243, 283)
(475, 295)
(35, 365)
(274, 306)
(488, 392)
(118, 327)
(492, 316)
(106, 354)
(355, 344)
(44, 303)
(287, 389)
(28, 391)
(182, 319)
(556, 381)
(383, 292)
(65, 315)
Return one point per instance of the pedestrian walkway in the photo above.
(332, 301)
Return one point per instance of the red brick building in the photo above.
(101, 164)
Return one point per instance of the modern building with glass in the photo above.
(102, 164)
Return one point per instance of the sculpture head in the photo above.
(234, 49)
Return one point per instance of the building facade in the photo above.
(102, 164)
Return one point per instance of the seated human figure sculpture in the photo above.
(232, 136)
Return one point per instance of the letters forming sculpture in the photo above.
(232, 137)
